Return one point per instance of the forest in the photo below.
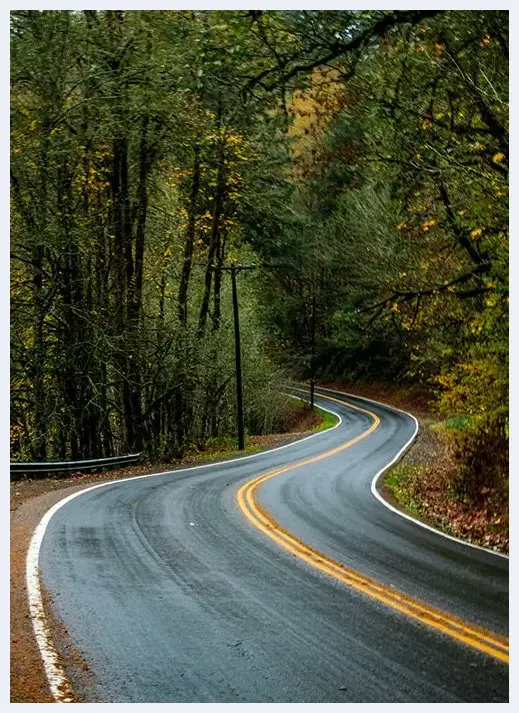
(357, 160)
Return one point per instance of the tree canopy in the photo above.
(365, 153)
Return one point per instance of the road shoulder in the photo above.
(421, 485)
(30, 500)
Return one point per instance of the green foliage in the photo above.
(364, 154)
(481, 450)
(135, 160)
(404, 222)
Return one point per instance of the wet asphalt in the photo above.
(172, 595)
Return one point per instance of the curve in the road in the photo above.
(478, 638)
(59, 684)
(377, 476)
(172, 595)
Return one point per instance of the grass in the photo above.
(456, 423)
(398, 479)
(328, 420)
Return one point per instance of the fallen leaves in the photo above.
(424, 483)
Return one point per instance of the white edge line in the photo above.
(58, 683)
(374, 482)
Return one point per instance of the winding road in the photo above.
(276, 578)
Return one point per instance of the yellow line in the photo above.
(473, 636)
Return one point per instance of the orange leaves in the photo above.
(436, 47)
(16, 432)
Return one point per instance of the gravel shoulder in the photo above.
(421, 484)
(30, 500)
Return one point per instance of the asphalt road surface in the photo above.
(173, 595)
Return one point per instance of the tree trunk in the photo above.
(190, 239)
(215, 238)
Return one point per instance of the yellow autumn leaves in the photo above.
(428, 224)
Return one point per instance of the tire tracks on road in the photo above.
(247, 498)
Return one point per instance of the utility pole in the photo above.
(237, 353)
(234, 270)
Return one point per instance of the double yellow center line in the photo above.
(473, 636)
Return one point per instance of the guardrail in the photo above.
(19, 469)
